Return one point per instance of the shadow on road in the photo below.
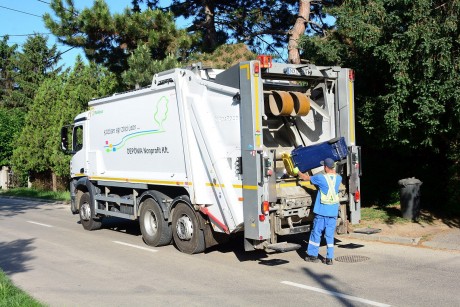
(13, 206)
(326, 282)
(235, 245)
(15, 254)
(121, 225)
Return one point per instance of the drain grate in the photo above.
(351, 258)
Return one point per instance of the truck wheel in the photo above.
(188, 236)
(86, 209)
(154, 228)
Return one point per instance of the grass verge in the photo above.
(11, 296)
(26, 192)
(390, 214)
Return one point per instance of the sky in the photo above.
(21, 17)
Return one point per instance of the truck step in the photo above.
(283, 247)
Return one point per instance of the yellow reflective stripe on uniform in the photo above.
(331, 197)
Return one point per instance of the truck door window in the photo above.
(77, 138)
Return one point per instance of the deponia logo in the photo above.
(160, 115)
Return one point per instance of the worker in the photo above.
(326, 209)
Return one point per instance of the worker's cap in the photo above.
(328, 162)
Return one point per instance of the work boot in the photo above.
(311, 258)
(328, 261)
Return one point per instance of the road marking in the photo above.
(337, 294)
(46, 225)
(135, 246)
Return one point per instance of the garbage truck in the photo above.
(202, 154)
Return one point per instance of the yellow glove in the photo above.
(289, 165)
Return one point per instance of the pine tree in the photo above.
(109, 39)
(32, 66)
(264, 25)
(142, 67)
(7, 68)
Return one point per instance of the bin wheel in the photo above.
(87, 215)
(154, 227)
(188, 236)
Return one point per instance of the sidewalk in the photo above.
(433, 235)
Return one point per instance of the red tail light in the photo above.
(256, 68)
(357, 196)
(351, 75)
(262, 217)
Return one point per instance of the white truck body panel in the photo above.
(139, 137)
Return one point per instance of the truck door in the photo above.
(78, 163)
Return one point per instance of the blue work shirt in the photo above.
(320, 182)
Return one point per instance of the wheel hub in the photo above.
(85, 212)
(151, 223)
(184, 228)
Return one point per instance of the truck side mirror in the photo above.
(64, 141)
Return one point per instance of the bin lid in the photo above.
(409, 181)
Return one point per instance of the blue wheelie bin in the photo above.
(308, 157)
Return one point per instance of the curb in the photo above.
(383, 238)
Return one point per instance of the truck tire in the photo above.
(154, 228)
(188, 236)
(86, 214)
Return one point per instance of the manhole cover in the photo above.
(351, 258)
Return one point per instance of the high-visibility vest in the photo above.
(331, 198)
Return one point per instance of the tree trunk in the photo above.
(298, 29)
(210, 36)
(54, 181)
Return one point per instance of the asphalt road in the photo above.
(46, 252)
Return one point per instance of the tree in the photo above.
(7, 68)
(225, 56)
(151, 4)
(31, 66)
(297, 31)
(11, 121)
(408, 67)
(20, 75)
(58, 100)
(142, 67)
(30, 153)
(265, 25)
(110, 39)
(406, 56)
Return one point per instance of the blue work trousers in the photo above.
(320, 224)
